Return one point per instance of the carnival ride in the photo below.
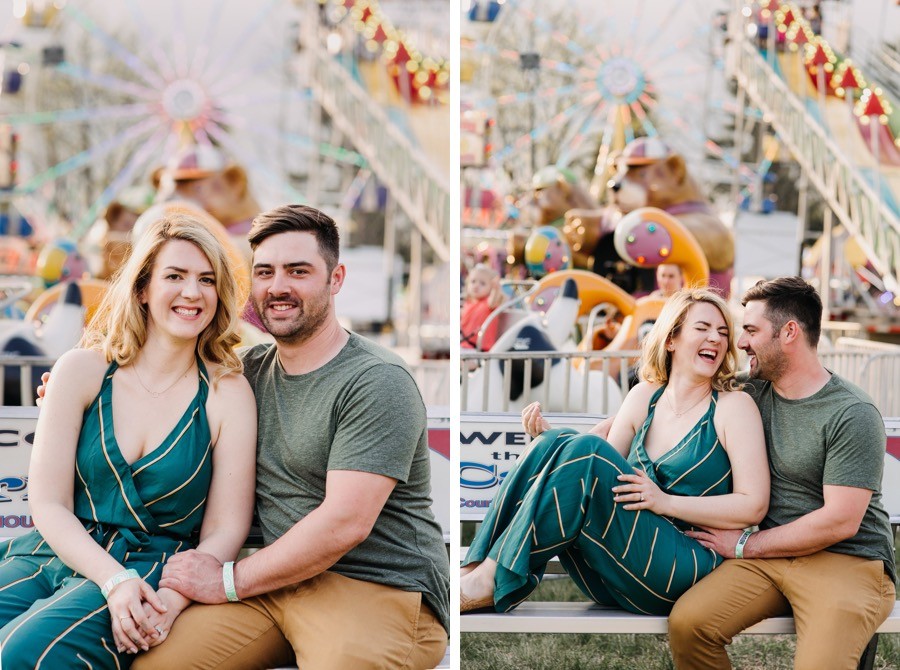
(105, 95)
(842, 130)
(547, 377)
(565, 94)
(567, 88)
(569, 79)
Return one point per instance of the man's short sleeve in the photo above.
(380, 424)
(855, 450)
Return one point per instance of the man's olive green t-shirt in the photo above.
(361, 411)
(834, 437)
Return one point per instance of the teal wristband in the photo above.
(117, 579)
(739, 547)
(228, 582)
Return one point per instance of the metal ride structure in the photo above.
(849, 195)
(418, 191)
(129, 86)
(571, 83)
(111, 94)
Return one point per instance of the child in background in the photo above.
(483, 296)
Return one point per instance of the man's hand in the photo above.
(722, 542)
(195, 575)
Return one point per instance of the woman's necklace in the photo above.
(680, 414)
(156, 394)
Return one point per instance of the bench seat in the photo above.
(586, 617)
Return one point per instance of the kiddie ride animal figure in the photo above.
(650, 174)
(548, 381)
(612, 319)
(555, 191)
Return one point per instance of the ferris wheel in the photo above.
(114, 89)
(569, 83)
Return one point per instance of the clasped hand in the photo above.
(195, 575)
(129, 603)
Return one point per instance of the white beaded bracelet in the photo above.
(228, 582)
(117, 579)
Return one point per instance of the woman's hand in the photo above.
(640, 492)
(162, 621)
(131, 628)
(42, 388)
(533, 421)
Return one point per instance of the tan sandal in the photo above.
(467, 604)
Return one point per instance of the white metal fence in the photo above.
(496, 384)
(433, 379)
(19, 376)
(561, 381)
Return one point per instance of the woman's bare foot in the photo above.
(466, 569)
(476, 587)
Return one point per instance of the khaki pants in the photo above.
(329, 621)
(838, 602)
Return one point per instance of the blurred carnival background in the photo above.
(110, 113)
(720, 141)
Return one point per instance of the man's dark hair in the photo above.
(789, 299)
(299, 219)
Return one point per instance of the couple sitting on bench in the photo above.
(135, 518)
(645, 520)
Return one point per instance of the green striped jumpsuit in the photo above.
(53, 617)
(557, 501)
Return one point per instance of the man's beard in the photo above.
(313, 314)
(774, 368)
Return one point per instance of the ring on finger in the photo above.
(158, 630)
(642, 497)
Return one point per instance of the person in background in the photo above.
(483, 296)
(669, 279)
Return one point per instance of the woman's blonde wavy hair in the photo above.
(119, 328)
(656, 360)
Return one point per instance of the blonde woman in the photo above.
(686, 449)
(145, 446)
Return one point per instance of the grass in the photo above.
(487, 651)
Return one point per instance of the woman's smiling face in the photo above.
(181, 295)
(702, 342)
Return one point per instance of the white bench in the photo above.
(490, 444)
(586, 617)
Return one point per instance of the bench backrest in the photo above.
(491, 443)
(17, 426)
